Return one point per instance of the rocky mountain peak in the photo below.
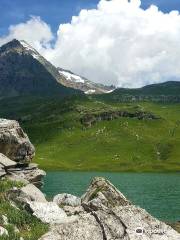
(20, 47)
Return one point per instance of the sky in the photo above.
(120, 42)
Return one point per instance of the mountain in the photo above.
(23, 71)
(70, 79)
(161, 92)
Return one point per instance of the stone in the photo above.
(19, 167)
(14, 143)
(70, 211)
(26, 194)
(85, 228)
(18, 178)
(34, 193)
(34, 176)
(106, 192)
(65, 199)
(2, 171)
(48, 212)
(108, 215)
(6, 162)
(3, 231)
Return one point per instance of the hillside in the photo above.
(23, 71)
(113, 141)
(162, 92)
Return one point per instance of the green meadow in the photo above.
(123, 144)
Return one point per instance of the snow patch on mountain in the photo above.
(72, 77)
(32, 51)
(90, 91)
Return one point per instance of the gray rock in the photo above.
(66, 199)
(34, 176)
(14, 143)
(18, 178)
(70, 211)
(108, 215)
(6, 162)
(106, 192)
(2, 171)
(34, 193)
(85, 228)
(48, 212)
(22, 167)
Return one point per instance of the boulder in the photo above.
(34, 193)
(106, 192)
(26, 194)
(65, 199)
(48, 212)
(108, 215)
(14, 143)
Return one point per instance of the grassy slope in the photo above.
(124, 144)
(30, 228)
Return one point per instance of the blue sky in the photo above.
(55, 12)
(119, 43)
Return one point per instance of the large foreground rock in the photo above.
(108, 215)
(14, 143)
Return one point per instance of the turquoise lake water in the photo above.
(158, 193)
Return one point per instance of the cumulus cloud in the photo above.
(117, 43)
(35, 32)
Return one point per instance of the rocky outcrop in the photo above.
(14, 143)
(90, 119)
(16, 152)
(106, 214)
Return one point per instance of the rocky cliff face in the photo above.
(90, 119)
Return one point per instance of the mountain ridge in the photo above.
(62, 76)
(23, 73)
(159, 92)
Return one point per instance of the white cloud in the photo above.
(117, 43)
(35, 32)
